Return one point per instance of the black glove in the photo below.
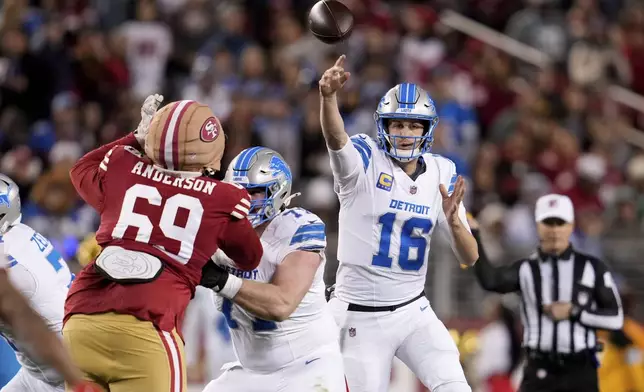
(213, 276)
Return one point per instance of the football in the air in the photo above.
(330, 21)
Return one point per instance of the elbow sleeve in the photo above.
(344, 162)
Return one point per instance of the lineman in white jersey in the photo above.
(38, 271)
(394, 196)
(283, 333)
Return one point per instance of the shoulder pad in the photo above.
(447, 170)
(309, 232)
(241, 207)
(236, 185)
(106, 159)
(364, 145)
(239, 198)
(118, 151)
(133, 151)
(442, 161)
(363, 138)
(299, 215)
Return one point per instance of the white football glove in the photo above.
(329, 293)
(148, 109)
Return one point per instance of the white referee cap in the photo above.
(554, 206)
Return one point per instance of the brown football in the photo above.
(330, 21)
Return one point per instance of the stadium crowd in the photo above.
(74, 72)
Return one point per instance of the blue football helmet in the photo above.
(406, 101)
(262, 169)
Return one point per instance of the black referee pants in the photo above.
(542, 375)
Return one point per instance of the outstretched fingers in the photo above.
(340, 61)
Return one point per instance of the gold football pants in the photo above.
(124, 354)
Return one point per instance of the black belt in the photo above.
(562, 359)
(390, 308)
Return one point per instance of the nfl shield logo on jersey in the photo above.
(413, 189)
(352, 332)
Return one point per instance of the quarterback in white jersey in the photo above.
(38, 271)
(284, 335)
(394, 196)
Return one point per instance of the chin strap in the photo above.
(287, 201)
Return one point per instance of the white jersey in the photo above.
(386, 222)
(38, 271)
(267, 346)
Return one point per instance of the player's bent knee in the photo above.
(456, 386)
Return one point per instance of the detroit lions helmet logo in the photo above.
(277, 165)
(4, 197)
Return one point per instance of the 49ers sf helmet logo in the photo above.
(209, 130)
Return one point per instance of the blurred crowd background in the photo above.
(73, 74)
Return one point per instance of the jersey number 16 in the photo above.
(408, 241)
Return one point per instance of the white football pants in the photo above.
(413, 333)
(25, 382)
(320, 371)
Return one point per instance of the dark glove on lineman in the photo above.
(213, 276)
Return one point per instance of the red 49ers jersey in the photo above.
(182, 221)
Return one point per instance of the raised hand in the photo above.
(148, 110)
(334, 78)
(452, 202)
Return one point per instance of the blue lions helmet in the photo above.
(262, 169)
(406, 101)
(9, 204)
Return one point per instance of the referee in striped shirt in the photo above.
(565, 295)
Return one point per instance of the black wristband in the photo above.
(213, 276)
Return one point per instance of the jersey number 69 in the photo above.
(184, 235)
(408, 241)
